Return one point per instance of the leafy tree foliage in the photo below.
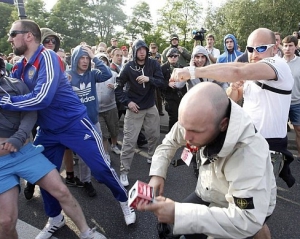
(181, 17)
(5, 13)
(140, 22)
(70, 18)
(106, 15)
(241, 17)
(36, 11)
(100, 20)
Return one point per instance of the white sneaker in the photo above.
(124, 179)
(129, 213)
(51, 227)
(115, 149)
(149, 160)
(93, 234)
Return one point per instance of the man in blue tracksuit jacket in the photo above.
(62, 118)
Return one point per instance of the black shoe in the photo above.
(161, 114)
(90, 190)
(141, 143)
(74, 182)
(29, 190)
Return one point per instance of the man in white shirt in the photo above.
(213, 53)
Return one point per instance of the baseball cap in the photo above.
(174, 36)
(123, 48)
(172, 51)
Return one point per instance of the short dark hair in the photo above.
(210, 36)
(289, 39)
(31, 26)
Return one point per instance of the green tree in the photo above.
(6, 20)
(36, 11)
(241, 17)
(106, 16)
(181, 17)
(139, 23)
(70, 18)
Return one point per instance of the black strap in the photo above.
(270, 88)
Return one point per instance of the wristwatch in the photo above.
(192, 72)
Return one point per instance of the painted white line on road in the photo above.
(26, 231)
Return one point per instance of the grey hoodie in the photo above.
(192, 82)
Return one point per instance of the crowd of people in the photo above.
(230, 116)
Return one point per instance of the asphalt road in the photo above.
(104, 212)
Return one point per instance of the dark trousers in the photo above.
(171, 107)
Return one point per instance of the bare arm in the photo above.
(228, 72)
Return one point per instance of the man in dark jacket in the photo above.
(172, 93)
(141, 76)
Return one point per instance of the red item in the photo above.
(140, 191)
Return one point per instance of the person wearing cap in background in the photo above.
(125, 58)
(153, 52)
(172, 94)
(184, 55)
(114, 43)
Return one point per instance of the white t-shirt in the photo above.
(214, 51)
(269, 110)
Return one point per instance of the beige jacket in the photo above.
(239, 184)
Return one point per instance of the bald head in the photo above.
(263, 35)
(207, 101)
(202, 111)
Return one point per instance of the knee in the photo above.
(62, 192)
(7, 224)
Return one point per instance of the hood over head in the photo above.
(46, 32)
(137, 44)
(199, 50)
(77, 53)
(234, 41)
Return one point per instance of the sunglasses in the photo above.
(48, 40)
(14, 33)
(173, 56)
(259, 49)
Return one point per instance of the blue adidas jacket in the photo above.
(50, 92)
(85, 85)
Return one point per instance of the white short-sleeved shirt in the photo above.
(215, 52)
(269, 110)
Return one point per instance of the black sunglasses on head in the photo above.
(14, 33)
(48, 40)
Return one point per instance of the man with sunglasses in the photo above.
(62, 119)
(172, 94)
(266, 85)
(50, 39)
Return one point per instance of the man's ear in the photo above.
(224, 124)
